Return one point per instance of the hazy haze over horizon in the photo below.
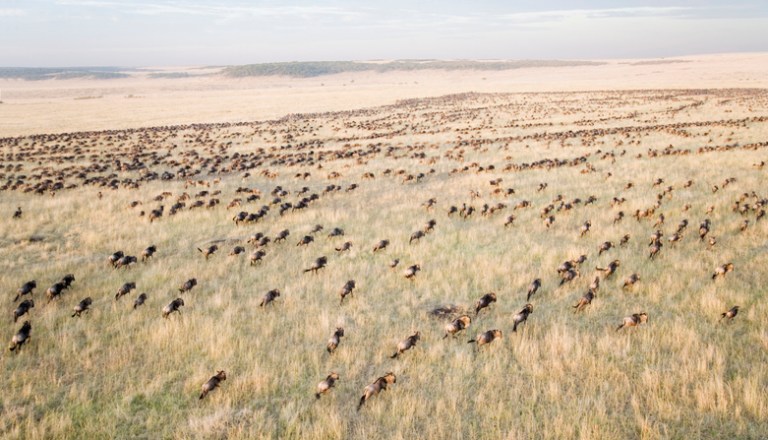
(36, 33)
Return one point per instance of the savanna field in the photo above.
(535, 180)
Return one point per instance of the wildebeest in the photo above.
(21, 336)
(522, 316)
(333, 343)
(54, 291)
(722, 270)
(631, 280)
(124, 290)
(634, 320)
(325, 385)
(486, 337)
(485, 301)
(125, 261)
(457, 325)
(604, 247)
(115, 257)
(730, 314)
(282, 235)
(82, 306)
(173, 306)
(585, 228)
(610, 270)
(213, 383)
(585, 300)
(156, 213)
(381, 245)
(269, 297)
(188, 285)
(655, 249)
(418, 235)
(59, 287)
(210, 250)
(594, 285)
(380, 384)
(406, 344)
(533, 288)
(307, 239)
(704, 229)
(23, 308)
(624, 240)
(411, 271)
(257, 256)
(67, 280)
(147, 253)
(317, 265)
(344, 247)
(348, 289)
(139, 300)
(25, 289)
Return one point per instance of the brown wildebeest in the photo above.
(486, 337)
(378, 385)
(325, 385)
(406, 344)
(213, 383)
(634, 320)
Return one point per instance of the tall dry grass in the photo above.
(120, 373)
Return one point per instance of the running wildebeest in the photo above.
(188, 285)
(486, 337)
(325, 385)
(333, 343)
(82, 306)
(139, 300)
(406, 344)
(173, 306)
(269, 297)
(378, 385)
(21, 337)
(213, 383)
(25, 289)
(457, 325)
(485, 301)
(23, 309)
(634, 320)
(730, 314)
(522, 316)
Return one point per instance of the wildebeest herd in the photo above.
(489, 216)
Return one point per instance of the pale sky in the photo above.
(60, 33)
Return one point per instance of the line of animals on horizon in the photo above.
(130, 149)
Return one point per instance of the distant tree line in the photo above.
(320, 68)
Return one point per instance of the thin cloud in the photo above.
(213, 10)
(676, 12)
(559, 15)
(12, 12)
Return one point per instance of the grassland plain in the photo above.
(123, 373)
(180, 95)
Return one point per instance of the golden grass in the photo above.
(120, 373)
